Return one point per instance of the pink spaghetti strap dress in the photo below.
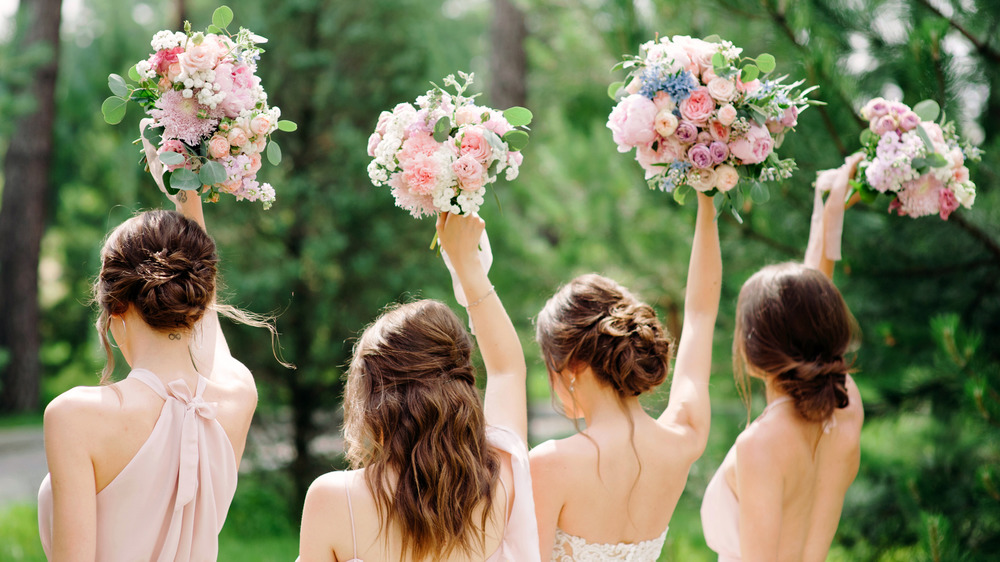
(170, 501)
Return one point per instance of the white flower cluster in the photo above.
(167, 40)
(145, 70)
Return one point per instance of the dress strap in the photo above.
(506, 500)
(350, 510)
(774, 404)
(150, 380)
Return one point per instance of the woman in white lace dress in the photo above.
(608, 492)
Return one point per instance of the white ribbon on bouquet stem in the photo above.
(153, 159)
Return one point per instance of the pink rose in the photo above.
(255, 163)
(632, 122)
(173, 71)
(232, 185)
(790, 118)
(421, 175)
(164, 84)
(722, 90)
(774, 127)
(700, 156)
(161, 60)
(237, 137)
(719, 151)
(698, 107)
(718, 131)
(474, 144)
(383, 122)
(707, 75)
(947, 202)
(260, 125)
(933, 130)
(883, 125)
(751, 86)
(498, 124)
(468, 114)
(702, 179)
(469, 172)
(874, 109)
(373, 144)
(686, 132)
(727, 114)
(515, 159)
(218, 147)
(199, 57)
(726, 177)
(754, 147)
(961, 174)
(663, 101)
(666, 123)
(174, 145)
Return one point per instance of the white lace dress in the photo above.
(569, 548)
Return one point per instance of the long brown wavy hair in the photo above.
(792, 324)
(165, 265)
(414, 421)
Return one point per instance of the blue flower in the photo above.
(678, 85)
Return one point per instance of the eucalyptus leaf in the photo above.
(750, 73)
(868, 137)
(868, 196)
(133, 74)
(113, 109)
(171, 158)
(185, 179)
(214, 29)
(222, 16)
(442, 129)
(613, 89)
(518, 116)
(927, 110)
(918, 163)
(766, 63)
(718, 61)
(212, 173)
(287, 126)
(117, 85)
(681, 192)
(924, 137)
(153, 135)
(935, 160)
(516, 140)
(759, 193)
(273, 153)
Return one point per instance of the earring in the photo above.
(124, 333)
(572, 382)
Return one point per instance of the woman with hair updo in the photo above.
(608, 492)
(437, 474)
(145, 468)
(780, 490)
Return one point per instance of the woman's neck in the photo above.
(166, 354)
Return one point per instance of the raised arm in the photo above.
(689, 407)
(827, 223)
(506, 398)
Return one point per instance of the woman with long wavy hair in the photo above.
(608, 492)
(438, 474)
(145, 468)
(779, 492)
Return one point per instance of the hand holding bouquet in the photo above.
(701, 116)
(919, 162)
(210, 118)
(440, 154)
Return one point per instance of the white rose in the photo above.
(726, 177)
(722, 90)
(702, 179)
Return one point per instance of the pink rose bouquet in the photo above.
(210, 117)
(914, 159)
(441, 153)
(701, 116)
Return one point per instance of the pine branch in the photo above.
(978, 233)
(982, 46)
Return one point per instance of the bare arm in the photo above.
(760, 486)
(506, 372)
(827, 223)
(547, 475)
(324, 515)
(74, 488)
(689, 403)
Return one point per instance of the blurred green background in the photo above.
(333, 251)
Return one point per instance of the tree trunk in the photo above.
(508, 61)
(22, 219)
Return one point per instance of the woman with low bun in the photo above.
(438, 474)
(779, 492)
(145, 468)
(608, 492)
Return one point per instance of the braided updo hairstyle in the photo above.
(161, 263)
(792, 324)
(594, 321)
(414, 420)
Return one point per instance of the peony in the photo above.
(474, 144)
(631, 122)
(722, 90)
(698, 107)
(666, 123)
(468, 172)
(702, 179)
(726, 177)
(727, 114)
(686, 132)
(421, 175)
(700, 156)
(218, 146)
(260, 125)
(666, 152)
(420, 144)
(754, 147)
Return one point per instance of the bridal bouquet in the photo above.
(919, 162)
(442, 153)
(210, 118)
(701, 116)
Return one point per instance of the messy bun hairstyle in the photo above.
(161, 263)
(594, 321)
(792, 324)
(414, 420)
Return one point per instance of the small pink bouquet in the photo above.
(210, 120)
(701, 116)
(914, 159)
(440, 154)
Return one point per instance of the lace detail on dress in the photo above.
(569, 548)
